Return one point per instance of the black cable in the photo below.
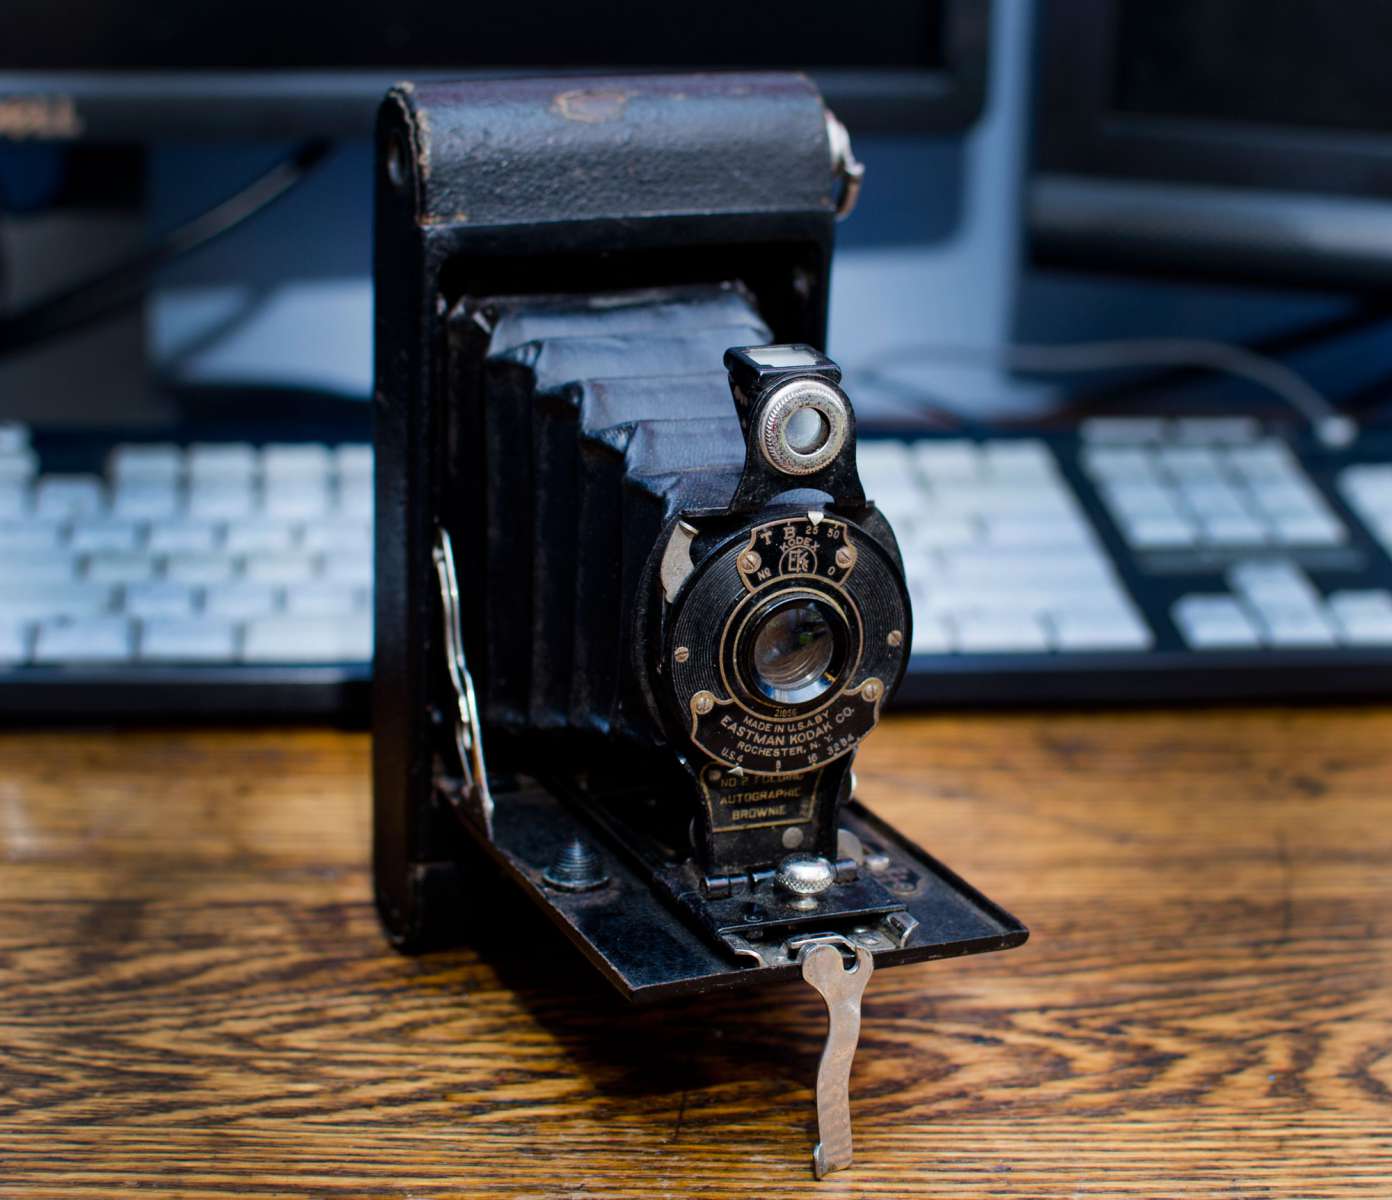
(1129, 353)
(109, 291)
(1361, 316)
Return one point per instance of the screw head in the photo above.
(805, 874)
(872, 690)
(845, 558)
(895, 638)
(702, 703)
(577, 868)
(681, 654)
(749, 562)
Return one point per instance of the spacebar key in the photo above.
(283, 640)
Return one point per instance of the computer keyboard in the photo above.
(1130, 560)
(225, 577)
(1142, 559)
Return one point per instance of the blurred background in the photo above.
(186, 302)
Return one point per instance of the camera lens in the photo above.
(792, 653)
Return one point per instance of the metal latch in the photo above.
(824, 968)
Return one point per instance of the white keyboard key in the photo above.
(35, 566)
(225, 462)
(199, 568)
(120, 568)
(32, 600)
(223, 499)
(1141, 498)
(200, 640)
(1314, 529)
(146, 463)
(306, 460)
(146, 499)
(988, 632)
(905, 516)
(241, 600)
(885, 467)
(942, 460)
(1158, 532)
(279, 568)
(1112, 628)
(1363, 618)
(65, 497)
(930, 636)
(18, 466)
(1119, 463)
(1019, 459)
(1212, 498)
(1190, 462)
(296, 498)
(355, 503)
(293, 640)
(950, 529)
(1232, 529)
(90, 537)
(260, 537)
(1215, 429)
(29, 535)
(1063, 529)
(14, 642)
(1295, 626)
(339, 536)
(1273, 581)
(183, 537)
(1267, 459)
(15, 500)
(349, 569)
(1290, 497)
(323, 600)
(353, 459)
(160, 598)
(1124, 430)
(84, 639)
(1214, 623)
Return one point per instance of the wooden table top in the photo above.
(196, 999)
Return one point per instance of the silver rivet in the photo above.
(792, 838)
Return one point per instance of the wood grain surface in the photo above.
(196, 1000)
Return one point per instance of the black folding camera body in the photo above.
(634, 610)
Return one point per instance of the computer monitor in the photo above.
(1243, 140)
(96, 69)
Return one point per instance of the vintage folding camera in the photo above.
(635, 612)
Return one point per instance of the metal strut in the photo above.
(468, 730)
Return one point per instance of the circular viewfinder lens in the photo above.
(792, 653)
(807, 431)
